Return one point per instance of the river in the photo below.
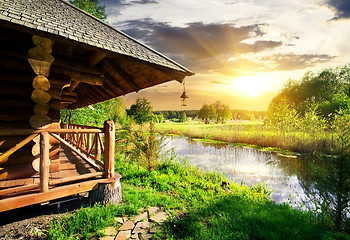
(280, 172)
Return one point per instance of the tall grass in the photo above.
(283, 128)
(254, 133)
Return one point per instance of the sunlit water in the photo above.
(243, 164)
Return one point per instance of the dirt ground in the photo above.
(33, 222)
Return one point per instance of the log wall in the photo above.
(27, 99)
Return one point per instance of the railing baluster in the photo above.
(88, 140)
(97, 147)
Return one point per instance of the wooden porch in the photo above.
(76, 168)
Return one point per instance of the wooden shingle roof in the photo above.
(128, 66)
(61, 18)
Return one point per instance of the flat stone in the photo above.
(107, 238)
(128, 225)
(125, 219)
(142, 227)
(153, 210)
(135, 236)
(146, 236)
(120, 236)
(110, 231)
(139, 230)
(140, 217)
(159, 217)
(127, 233)
(119, 220)
(123, 235)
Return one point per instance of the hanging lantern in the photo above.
(183, 95)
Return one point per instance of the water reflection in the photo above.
(245, 164)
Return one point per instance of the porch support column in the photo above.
(44, 161)
(108, 157)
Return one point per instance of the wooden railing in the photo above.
(88, 143)
(83, 140)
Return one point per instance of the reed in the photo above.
(255, 133)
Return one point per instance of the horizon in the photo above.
(241, 51)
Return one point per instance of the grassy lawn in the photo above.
(198, 205)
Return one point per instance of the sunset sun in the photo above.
(252, 86)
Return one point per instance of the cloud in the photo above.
(219, 82)
(341, 7)
(144, 2)
(115, 3)
(201, 47)
(290, 62)
(114, 7)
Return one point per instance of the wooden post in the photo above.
(109, 149)
(97, 147)
(44, 161)
(88, 142)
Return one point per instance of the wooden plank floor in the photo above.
(70, 165)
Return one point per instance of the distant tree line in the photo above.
(177, 115)
(183, 116)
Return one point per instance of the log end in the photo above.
(106, 193)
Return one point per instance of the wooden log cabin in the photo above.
(54, 56)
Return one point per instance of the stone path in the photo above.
(141, 227)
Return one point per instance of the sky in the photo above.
(242, 51)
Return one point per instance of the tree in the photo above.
(97, 114)
(91, 6)
(141, 111)
(328, 185)
(329, 89)
(282, 116)
(223, 112)
(117, 111)
(207, 113)
(215, 111)
(183, 117)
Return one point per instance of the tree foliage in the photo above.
(97, 114)
(282, 116)
(141, 111)
(176, 115)
(143, 146)
(217, 112)
(328, 183)
(329, 89)
(183, 117)
(91, 6)
(207, 113)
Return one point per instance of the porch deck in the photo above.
(77, 168)
(70, 166)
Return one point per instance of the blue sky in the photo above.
(241, 51)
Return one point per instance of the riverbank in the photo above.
(253, 133)
(200, 206)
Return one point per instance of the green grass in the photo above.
(82, 224)
(198, 205)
